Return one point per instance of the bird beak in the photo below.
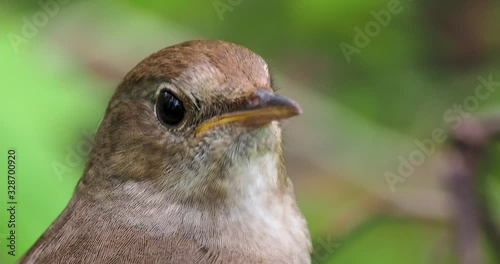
(262, 108)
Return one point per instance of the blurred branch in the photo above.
(472, 214)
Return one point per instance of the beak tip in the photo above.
(296, 109)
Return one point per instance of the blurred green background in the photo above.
(373, 77)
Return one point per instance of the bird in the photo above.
(186, 167)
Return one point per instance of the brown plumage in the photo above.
(210, 188)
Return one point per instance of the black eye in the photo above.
(169, 109)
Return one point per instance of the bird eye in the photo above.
(169, 109)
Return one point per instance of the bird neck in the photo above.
(259, 208)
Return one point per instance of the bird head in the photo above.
(199, 121)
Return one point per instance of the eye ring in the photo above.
(170, 110)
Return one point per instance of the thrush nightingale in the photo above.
(186, 167)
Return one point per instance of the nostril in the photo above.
(259, 97)
(255, 100)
